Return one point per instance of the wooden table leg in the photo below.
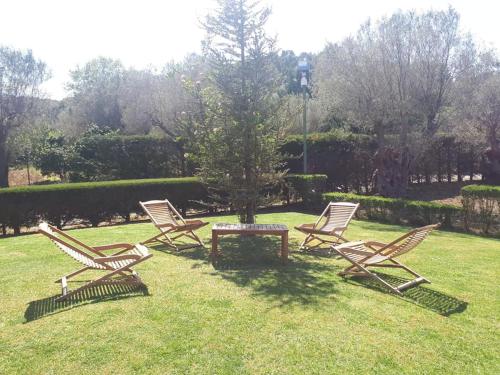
(215, 239)
(284, 247)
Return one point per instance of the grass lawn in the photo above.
(249, 314)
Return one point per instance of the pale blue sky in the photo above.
(65, 33)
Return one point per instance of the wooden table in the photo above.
(220, 229)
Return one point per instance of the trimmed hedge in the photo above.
(400, 211)
(487, 191)
(308, 187)
(348, 159)
(345, 158)
(91, 202)
(481, 207)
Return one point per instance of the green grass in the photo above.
(249, 314)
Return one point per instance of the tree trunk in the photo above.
(28, 172)
(4, 164)
(491, 158)
(392, 171)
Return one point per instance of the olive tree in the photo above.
(21, 75)
(393, 79)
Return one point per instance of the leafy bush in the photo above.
(345, 158)
(308, 187)
(486, 191)
(481, 206)
(91, 202)
(112, 156)
(400, 211)
(348, 159)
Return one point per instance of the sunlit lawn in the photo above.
(249, 314)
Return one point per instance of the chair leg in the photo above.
(409, 270)
(103, 279)
(305, 241)
(73, 274)
(364, 271)
(197, 238)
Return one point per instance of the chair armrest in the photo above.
(116, 258)
(338, 229)
(113, 246)
(375, 243)
(168, 225)
(191, 222)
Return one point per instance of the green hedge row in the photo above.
(400, 211)
(486, 191)
(308, 187)
(481, 208)
(96, 202)
(91, 202)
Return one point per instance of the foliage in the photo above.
(239, 128)
(307, 187)
(95, 90)
(348, 159)
(486, 191)
(393, 79)
(482, 206)
(400, 211)
(113, 156)
(91, 202)
(21, 75)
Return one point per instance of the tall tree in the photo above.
(95, 89)
(241, 131)
(393, 79)
(477, 107)
(21, 75)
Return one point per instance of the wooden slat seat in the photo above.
(332, 223)
(364, 254)
(168, 221)
(93, 258)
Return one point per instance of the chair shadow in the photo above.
(99, 293)
(429, 299)
(254, 262)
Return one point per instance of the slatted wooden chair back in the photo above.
(162, 212)
(409, 241)
(70, 246)
(338, 215)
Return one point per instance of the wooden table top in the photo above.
(250, 227)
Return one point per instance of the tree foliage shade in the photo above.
(21, 75)
(240, 124)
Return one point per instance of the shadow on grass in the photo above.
(253, 262)
(99, 293)
(429, 299)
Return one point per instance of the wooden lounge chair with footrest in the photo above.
(169, 222)
(332, 223)
(118, 266)
(365, 254)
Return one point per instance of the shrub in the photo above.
(346, 159)
(308, 187)
(91, 202)
(400, 211)
(112, 156)
(481, 206)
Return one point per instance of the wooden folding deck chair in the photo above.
(332, 223)
(170, 222)
(364, 254)
(118, 266)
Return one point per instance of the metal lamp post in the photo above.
(303, 69)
